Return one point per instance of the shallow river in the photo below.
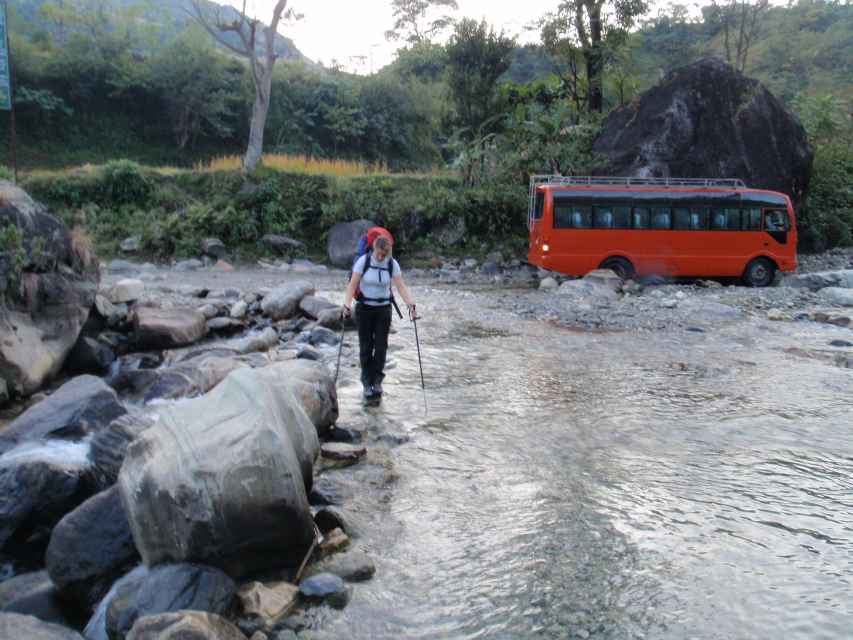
(577, 485)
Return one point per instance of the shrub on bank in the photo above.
(173, 211)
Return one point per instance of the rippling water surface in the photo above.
(577, 485)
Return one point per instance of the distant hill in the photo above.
(168, 17)
(803, 49)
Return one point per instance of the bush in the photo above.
(124, 183)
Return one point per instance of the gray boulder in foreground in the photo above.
(223, 479)
(14, 626)
(184, 625)
(283, 302)
(168, 589)
(82, 405)
(839, 296)
(90, 548)
(44, 305)
(343, 241)
(706, 120)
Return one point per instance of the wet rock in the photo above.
(331, 319)
(325, 587)
(37, 596)
(313, 306)
(184, 625)
(341, 434)
(213, 247)
(548, 283)
(15, 626)
(281, 244)
(490, 268)
(352, 566)
(185, 380)
(131, 244)
(168, 328)
(333, 542)
(284, 302)
(260, 341)
(90, 548)
(41, 317)
(267, 603)
(237, 459)
(343, 241)
(39, 484)
(239, 310)
(82, 405)
(342, 452)
(109, 446)
(322, 336)
(842, 297)
(126, 290)
(4, 393)
(225, 325)
(706, 119)
(841, 343)
(111, 313)
(328, 490)
(89, 356)
(306, 352)
(168, 589)
(821, 280)
(188, 265)
(21, 585)
(330, 518)
(209, 311)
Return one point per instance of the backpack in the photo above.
(365, 242)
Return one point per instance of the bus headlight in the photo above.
(545, 248)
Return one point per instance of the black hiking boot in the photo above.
(377, 388)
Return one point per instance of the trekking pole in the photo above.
(420, 364)
(340, 346)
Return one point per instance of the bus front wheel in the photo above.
(622, 267)
(759, 272)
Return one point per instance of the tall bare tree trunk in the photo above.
(260, 108)
(594, 62)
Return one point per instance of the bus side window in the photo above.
(661, 218)
(621, 217)
(562, 215)
(752, 219)
(581, 217)
(725, 220)
(602, 217)
(642, 218)
(699, 217)
(681, 218)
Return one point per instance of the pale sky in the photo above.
(345, 29)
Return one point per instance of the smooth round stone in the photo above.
(326, 587)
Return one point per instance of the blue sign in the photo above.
(5, 81)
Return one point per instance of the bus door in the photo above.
(536, 252)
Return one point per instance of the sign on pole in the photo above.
(5, 75)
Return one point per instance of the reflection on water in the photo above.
(570, 485)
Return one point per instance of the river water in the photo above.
(617, 485)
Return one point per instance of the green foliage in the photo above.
(125, 183)
(411, 21)
(13, 258)
(6, 173)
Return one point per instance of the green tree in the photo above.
(199, 89)
(477, 57)
(411, 22)
(740, 23)
(580, 33)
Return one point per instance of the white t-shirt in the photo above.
(376, 280)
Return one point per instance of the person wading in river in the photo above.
(370, 285)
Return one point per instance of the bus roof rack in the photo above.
(736, 183)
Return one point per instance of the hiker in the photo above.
(370, 285)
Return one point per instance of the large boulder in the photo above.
(343, 241)
(223, 479)
(706, 120)
(15, 626)
(168, 328)
(283, 303)
(39, 484)
(281, 244)
(312, 385)
(184, 380)
(42, 601)
(109, 446)
(168, 589)
(184, 625)
(90, 548)
(44, 304)
(818, 280)
(82, 405)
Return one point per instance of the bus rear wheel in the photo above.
(759, 272)
(622, 267)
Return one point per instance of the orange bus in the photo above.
(679, 227)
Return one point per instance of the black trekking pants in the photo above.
(374, 323)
